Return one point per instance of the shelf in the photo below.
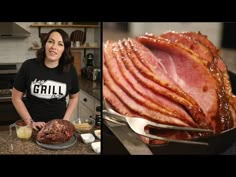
(72, 48)
(65, 26)
(85, 26)
(39, 26)
(34, 48)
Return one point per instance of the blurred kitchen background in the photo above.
(15, 48)
(222, 35)
(20, 41)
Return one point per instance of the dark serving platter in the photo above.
(217, 144)
(65, 145)
(223, 143)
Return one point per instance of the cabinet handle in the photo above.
(85, 99)
(90, 116)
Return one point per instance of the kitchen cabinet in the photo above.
(87, 105)
(77, 61)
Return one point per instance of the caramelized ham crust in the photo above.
(56, 131)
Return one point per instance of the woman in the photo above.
(46, 81)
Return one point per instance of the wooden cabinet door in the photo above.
(77, 61)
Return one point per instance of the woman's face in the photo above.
(54, 47)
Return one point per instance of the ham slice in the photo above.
(194, 78)
(206, 50)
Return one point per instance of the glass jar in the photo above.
(98, 117)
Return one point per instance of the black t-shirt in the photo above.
(46, 89)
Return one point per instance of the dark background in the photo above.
(229, 35)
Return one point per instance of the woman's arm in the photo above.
(73, 101)
(22, 110)
(20, 106)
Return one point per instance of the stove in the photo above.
(5, 95)
(5, 92)
(8, 72)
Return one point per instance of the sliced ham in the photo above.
(112, 52)
(200, 45)
(194, 78)
(131, 104)
(217, 59)
(176, 79)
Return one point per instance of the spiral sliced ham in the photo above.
(175, 79)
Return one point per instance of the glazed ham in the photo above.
(175, 78)
(56, 131)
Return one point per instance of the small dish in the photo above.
(97, 133)
(87, 138)
(96, 147)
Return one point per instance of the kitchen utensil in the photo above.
(129, 139)
(138, 125)
(78, 35)
(222, 143)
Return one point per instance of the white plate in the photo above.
(96, 147)
(65, 145)
(87, 137)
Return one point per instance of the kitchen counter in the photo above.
(13, 145)
(93, 88)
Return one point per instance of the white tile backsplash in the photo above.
(16, 50)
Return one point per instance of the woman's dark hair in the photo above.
(66, 58)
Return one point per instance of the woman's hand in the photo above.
(38, 125)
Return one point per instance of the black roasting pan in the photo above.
(223, 143)
(217, 144)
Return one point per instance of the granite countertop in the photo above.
(13, 145)
(93, 88)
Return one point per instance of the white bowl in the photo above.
(87, 138)
(97, 133)
(96, 147)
